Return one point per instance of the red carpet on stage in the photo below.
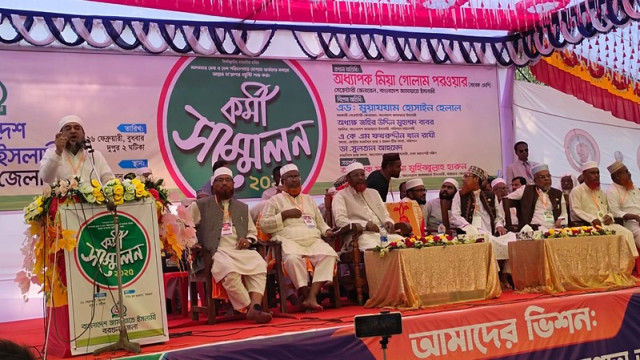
(587, 324)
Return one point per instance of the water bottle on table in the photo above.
(383, 236)
(441, 228)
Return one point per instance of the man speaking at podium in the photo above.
(69, 158)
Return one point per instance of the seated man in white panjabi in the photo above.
(624, 198)
(224, 227)
(294, 219)
(363, 207)
(475, 211)
(589, 203)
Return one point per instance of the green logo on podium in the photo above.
(96, 251)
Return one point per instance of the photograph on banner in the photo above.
(179, 115)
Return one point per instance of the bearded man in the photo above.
(624, 198)
(416, 193)
(434, 208)
(224, 227)
(589, 203)
(69, 157)
(499, 188)
(363, 207)
(294, 219)
(475, 211)
(540, 204)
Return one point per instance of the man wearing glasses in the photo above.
(521, 167)
(540, 204)
(294, 219)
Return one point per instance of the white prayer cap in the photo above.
(353, 166)
(143, 170)
(589, 165)
(497, 181)
(69, 119)
(221, 171)
(617, 165)
(540, 167)
(286, 168)
(414, 183)
(452, 181)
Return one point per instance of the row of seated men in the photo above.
(227, 229)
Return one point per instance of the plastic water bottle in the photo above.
(383, 236)
(441, 228)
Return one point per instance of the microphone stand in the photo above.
(123, 342)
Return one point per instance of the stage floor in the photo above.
(329, 333)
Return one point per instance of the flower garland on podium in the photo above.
(45, 239)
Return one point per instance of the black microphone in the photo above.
(86, 144)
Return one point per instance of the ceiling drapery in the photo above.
(553, 31)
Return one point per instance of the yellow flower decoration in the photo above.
(95, 183)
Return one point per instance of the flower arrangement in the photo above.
(44, 225)
(578, 231)
(417, 242)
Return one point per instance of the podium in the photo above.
(91, 312)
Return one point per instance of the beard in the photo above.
(293, 191)
(445, 196)
(360, 187)
(628, 184)
(595, 185)
(421, 201)
(75, 146)
(225, 193)
(468, 188)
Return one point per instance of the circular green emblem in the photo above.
(96, 251)
(254, 114)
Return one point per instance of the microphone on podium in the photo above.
(86, 144)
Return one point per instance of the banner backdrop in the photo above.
(92, 281)
(179, 115)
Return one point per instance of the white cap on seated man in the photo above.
(433, 214)
(589, 203)
(624, 198)
(293, 218)
(363, 207)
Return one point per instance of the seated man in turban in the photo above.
(294, 219)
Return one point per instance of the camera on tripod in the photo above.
(384, 324)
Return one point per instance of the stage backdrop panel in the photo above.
(564, 133)
(92, 282)
(178, 115)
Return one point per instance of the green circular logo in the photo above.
(254, 114)
(96, 251)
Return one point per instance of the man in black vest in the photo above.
(224, 227)
(540, 204)
(474, 210)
